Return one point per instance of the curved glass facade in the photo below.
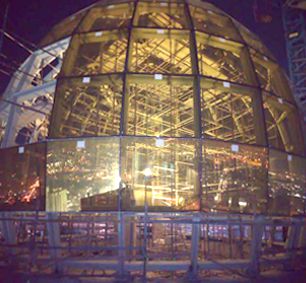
(178, 89)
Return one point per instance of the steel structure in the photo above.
(171, 116)
(294, 20)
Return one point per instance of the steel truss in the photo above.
(294, 21)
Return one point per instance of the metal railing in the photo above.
(120, 243)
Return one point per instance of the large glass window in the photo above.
(160, 172)
(283, 124)
(30, 124)
(271, 76)
(287, 183)
(63, 29)
(88, 106)
(160, 51)
(235, 177)
(224, 59)
(163, 14)
(107, 17)
(231, 112)
(253, 40)
(214, 23)
(96, 53)
(83, 175)
(160, 106)
(22, 178)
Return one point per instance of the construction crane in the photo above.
(294, 21)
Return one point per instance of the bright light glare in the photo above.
(147, 172)
(117, 180)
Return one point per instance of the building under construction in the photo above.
(151, 139)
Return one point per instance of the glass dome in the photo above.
(176, 88)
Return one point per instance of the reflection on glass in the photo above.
(213, 23)
(5, 109)
(287, 183)
(253, 40)
(172, 184)
(160, 106)
(271, 76)
(235, 177)
(106, 17)
(160, 51)
(163, 14)
(231, 112)
(224, 59)
(63, 29)
(22, 177)
(30, 120)
(83, 175)
(283, 125)
(88, 106)
(96, 53)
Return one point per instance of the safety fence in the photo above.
(149, 245)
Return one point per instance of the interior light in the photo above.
(147, 172)
(21, 149)
(243, 203)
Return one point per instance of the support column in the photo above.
(121, 236)
(195, 246)
(9, 233)
(292, 243)
(258, 229)
(54, 239)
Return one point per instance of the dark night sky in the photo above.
(31, 19)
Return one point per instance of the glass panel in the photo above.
(287, 183)
(204, 5)
(231, 112)
(283, 125)
(160, 106)
(160, 51)
(235, 177)
(63, 29)
(22, 178)
(96, 53)
(88, 106)
(31, 121)
(214, 23)
(102, 17)
(83, 175)
(253, 40)
(5, 109)
(162, 172)
(224, 59)
(163, 14)
(271, 76)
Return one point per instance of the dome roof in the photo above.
(179, 69)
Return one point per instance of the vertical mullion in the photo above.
(125, 96)
(124, 106)
(196, 106)
(261, 131)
